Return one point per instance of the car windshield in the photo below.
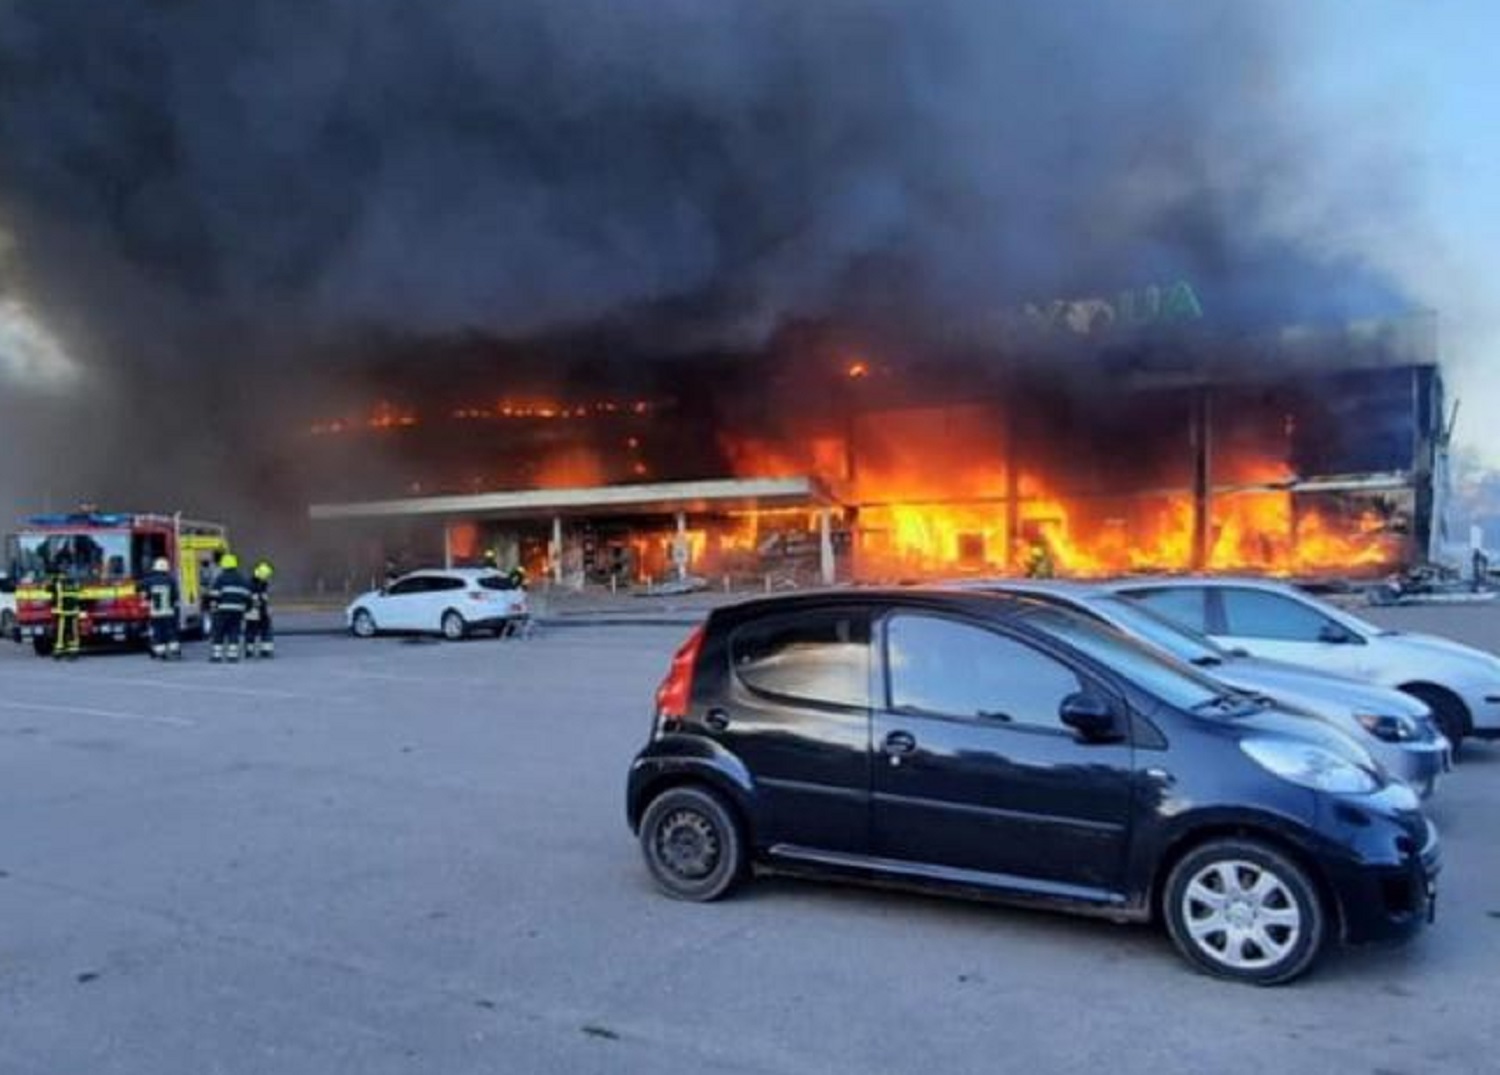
(1180, 642)
(96, 556)
(1173, 682)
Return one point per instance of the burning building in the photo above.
(1090, 448)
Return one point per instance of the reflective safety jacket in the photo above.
(65, 596)
(162, 595)
(230, 592)
(260, 599)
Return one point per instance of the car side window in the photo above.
(954, 669)
(407, 587)
(442, 584)
(1186, 605)
(1259, 614)
(816, 657)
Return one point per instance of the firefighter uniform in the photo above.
(67, 608)
(229, 600)
(164, 603)
(260, 640)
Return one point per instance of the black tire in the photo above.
(363, 624)
(42, 647)
(8, 626)
(453, 626)
(1265, 939)
(692, 844)
(1448, 712)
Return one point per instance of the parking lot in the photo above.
(400, 856)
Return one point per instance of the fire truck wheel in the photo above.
(454, 627)
(42, 646)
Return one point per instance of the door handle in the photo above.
(717, 719)
(898, 743)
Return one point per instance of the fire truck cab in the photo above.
(107, 555)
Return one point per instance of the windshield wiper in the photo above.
(1208, 660)
(1232, 703)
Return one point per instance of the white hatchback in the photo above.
(8, 626)
(1460, 684)
(454, 604)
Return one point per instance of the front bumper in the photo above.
(1418, 765)
(1384, 874)
(1484, 713)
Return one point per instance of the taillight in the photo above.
(676, 691)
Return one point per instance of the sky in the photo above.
(1423, 77)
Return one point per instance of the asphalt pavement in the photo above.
(411, 857)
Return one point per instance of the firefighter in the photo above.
(164, 602)
(1039, 560)
(517, 577)
(228, 600)
(491, 560)
(260, 641)
(66, 611)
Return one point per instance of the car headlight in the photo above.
(1390, 728)
(1310, 765)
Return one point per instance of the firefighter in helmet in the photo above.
(164, 605)
(491, 560)
(517, 577)
(260, 641)
(67, 609)
(229, 600)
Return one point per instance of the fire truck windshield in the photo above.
(95, 556)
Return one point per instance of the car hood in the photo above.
(1283, 721)
(1454, 655)
(1308, 688)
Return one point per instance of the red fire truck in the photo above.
(107, 555)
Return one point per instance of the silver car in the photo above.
(1396, 729)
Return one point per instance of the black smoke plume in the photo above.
(214, 201)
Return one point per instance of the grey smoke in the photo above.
(209, 186)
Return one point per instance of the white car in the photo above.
(8, 627)
(1460, 684)
(454, 604)
(1395, 728)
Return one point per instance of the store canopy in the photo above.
(655, 498)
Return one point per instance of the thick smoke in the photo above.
(213, 196)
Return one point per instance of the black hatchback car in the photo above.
(1000, 748)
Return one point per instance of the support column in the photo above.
(557, 550)
(1010, 556)
(680, 547)
(448, 545)
(825, 546)
(1201, 439)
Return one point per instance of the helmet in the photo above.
(264, 571)
(160, 564)
(229, 561)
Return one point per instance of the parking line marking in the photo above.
(248, 692)
(110, 714)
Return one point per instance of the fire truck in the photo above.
(107, 555)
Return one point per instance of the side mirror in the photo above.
(1092, 717)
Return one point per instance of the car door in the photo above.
(443, 592)
(1187, 605)
(973, 770)
(1281, 627)
(795, 710)
(400, 607)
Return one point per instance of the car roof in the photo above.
(451, 572)
(1206, 581)
(986, 604)
(1077, 588)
